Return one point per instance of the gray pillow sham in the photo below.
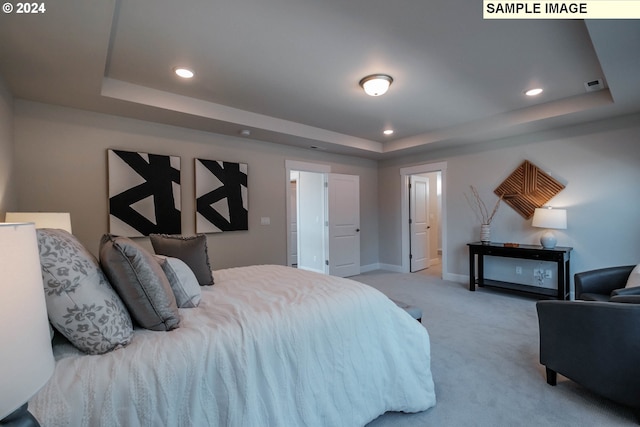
(192, 250)
(139, 280)
(183, 282)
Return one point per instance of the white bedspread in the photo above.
(268, 346)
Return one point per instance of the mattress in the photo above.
(268, 346)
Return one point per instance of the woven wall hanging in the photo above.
(528, 188)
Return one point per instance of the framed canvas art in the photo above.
(221, 196)
(144, 193)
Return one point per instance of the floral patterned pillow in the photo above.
(81, 303)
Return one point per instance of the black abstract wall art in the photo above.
(221, 196)
(144, 193)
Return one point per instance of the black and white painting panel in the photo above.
(221, 196)
(144, 194)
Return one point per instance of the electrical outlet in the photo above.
(518, 270)
(548, 274)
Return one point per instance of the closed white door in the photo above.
(343, 195)
(419, 219)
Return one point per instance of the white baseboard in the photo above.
(391, 267)
(379, 266)
(458, 278)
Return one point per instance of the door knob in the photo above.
(357, 230)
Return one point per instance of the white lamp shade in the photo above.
(26, 357)
(61, 220)
(550, 218)
(376, 84)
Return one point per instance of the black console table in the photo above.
(560, 255)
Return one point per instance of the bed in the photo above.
(267, 346)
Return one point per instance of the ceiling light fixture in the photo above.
(376, 84)
(185, 73)
(388, 132)
(533, 92)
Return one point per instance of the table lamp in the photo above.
(26, 357)
(549, 218)
(61, 220)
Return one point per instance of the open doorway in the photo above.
(307, 221)
(425, 233)
(424, 219)
(323, 220)
(307, 178)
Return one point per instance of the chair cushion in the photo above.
(594, 297)
(634, 278)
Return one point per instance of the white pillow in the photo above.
(634, 278)
(183, 281)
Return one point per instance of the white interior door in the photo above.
(343, 197)
(419, 222)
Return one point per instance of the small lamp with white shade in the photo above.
(549, 218)
(26, 356)
(61, 220)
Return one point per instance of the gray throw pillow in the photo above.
(140, 282)
(192, 250)
(81, 304)
(183, 282)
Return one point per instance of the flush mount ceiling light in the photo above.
(376, 84)
(388, 131)
(185, 73)
(533, 92)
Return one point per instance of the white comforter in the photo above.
(268, 346)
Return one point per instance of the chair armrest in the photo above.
(602, 281)
(593, 343)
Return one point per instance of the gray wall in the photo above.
(599, 163)
(61, 165)
(7, 183)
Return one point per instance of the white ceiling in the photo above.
(288, 70)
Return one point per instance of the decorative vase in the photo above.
(485, 233)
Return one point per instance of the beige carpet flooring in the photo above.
(484, 360)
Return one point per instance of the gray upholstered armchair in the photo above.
(606, 284)
(596, 344)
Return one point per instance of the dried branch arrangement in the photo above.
(479, 208)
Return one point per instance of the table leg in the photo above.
(567, 279)
(472, 270)
(562, 281)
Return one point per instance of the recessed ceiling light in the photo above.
(388, 132)
(533, 92)
(185, 73)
